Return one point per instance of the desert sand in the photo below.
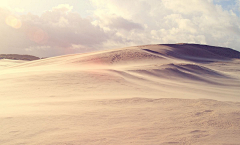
(144, 95)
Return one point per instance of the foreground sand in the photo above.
(156, 94)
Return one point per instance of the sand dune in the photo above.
(152, 94)
(18, 57)
(8, 62)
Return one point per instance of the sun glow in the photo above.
(37, 35)
(13, 22)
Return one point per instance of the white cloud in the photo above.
(168, 21)
(19, 10)
(59, 29)
(111, 22)
(63, 8)
(33, 48)
(116, 23)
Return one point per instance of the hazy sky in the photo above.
(56, 27)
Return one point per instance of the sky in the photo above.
(48, 28)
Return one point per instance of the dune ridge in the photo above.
(170, 52)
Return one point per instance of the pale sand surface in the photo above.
(151, 95)
(8, 62)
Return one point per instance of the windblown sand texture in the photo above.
(144, 95)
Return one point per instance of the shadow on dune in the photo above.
(184, 73)
(195, 52)
(176, 72)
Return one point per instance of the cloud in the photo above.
(166, 21)
(18, 10)
(63, 8)
(59, 29)
(116, 24)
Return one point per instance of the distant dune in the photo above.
(153, 94)
(18, 57)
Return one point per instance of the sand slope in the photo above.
(152, 94)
